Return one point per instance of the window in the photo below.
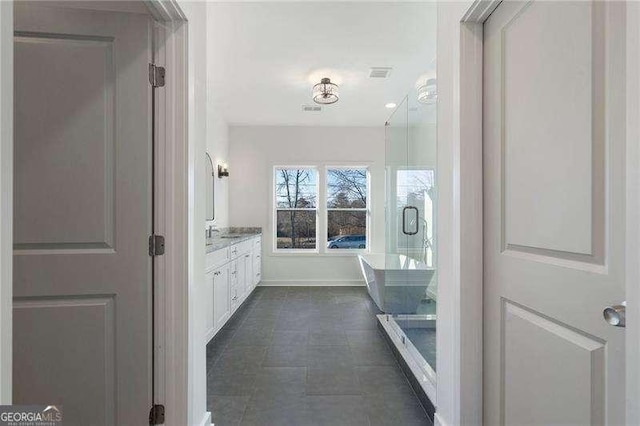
(296, 195)
(347, 207)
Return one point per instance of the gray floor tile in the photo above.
(372, 355)
(281, 381)
(289, 337)
(383, 410)
(286, 356)
(376, 380)
(231, 384)
(329, 356)
(333, 337)
(302, 356)
(252, 336)
(276, 410)
(343, 410)
(242, 359)
(365, 337)
(332, 381)
(227, 410)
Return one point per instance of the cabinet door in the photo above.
(208, 303)
(257, 266)
(242, 277)
(248, 273)
(221, 310)
(234, 294)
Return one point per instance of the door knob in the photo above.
(616, 315)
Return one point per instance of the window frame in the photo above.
(275, 209)
(326, 210)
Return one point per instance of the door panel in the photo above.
(82, 272)
(553, 213)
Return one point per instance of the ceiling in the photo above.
(266, 57)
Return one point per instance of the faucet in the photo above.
(210, 231)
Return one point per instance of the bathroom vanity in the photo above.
(233, 270)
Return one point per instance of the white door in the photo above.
(554, 213)
(82, 284)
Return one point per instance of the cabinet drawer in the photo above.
(217, 258)
(243, 247)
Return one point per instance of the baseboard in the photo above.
(437, 420)
(312, 283)
(206, 420)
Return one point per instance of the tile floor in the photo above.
(298, 356)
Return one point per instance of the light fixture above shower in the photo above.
(427, 92)
(325, 92)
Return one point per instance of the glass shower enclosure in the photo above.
(410, 257)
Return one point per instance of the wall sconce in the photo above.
(223, 170)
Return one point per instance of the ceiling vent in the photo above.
(379, 72)
(311, 108)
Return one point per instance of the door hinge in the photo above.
(156, 415)
(156, 245)
(156, 75)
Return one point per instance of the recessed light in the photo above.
(390, 105)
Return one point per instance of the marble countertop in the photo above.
(227, 237)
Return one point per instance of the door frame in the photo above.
(171, 302)
(459, 346)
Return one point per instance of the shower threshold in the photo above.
(423, 373)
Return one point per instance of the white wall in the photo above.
(6, 195)
(254, 150)
(217, 131)
(218, 149)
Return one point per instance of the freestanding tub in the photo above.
(397, 283)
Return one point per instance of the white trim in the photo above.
(206, 419)
(326, 210)
(274, 212)
(311, 283)
(460, 239)
(438, 421)
(172, 296)
(6, 199)
(632, 274)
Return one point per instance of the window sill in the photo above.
(336, 253)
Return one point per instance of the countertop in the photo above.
(229, 236)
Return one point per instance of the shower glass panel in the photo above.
(411, 281)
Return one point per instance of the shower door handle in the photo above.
(404, 220)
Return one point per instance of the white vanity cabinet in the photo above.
(221, 301)
(232, 274)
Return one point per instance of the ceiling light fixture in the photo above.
(390, 105)
(428, 92)
(325, 92)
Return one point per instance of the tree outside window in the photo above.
(296, 192)
(347, 207)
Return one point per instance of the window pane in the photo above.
(296, 188)
(347, 230)
(296, 229)
(347, 188)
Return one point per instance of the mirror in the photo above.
(209, 188)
